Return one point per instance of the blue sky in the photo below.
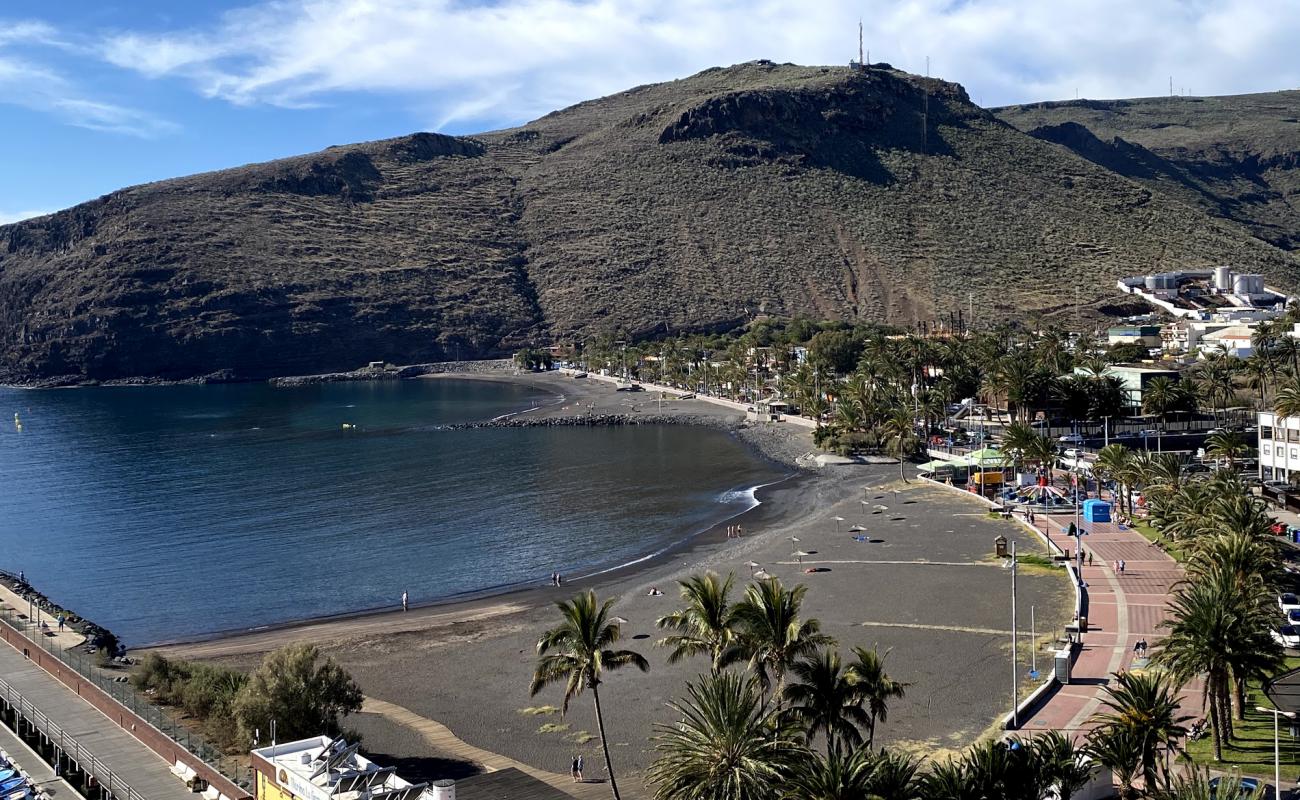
(99, 95)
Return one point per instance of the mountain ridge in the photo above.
(693, 204)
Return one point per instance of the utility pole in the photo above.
(1015, 667)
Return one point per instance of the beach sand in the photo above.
(925, 586)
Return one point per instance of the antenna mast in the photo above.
(861, 61)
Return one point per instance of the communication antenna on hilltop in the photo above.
(862, 63)
(1171, 85)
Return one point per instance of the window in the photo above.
(1294, 453)
(1265, 449)
(1266, 431)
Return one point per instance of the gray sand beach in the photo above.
(924, 586)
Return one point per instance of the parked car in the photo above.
(1287, 636)
(1150, 432)
(1249, 789)
(1293, 616)
(1287, 601)
(1072, 452)
(1072, 438)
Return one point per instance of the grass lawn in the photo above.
(1149, 533)
(1251, 749)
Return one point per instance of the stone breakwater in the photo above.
(589, 421)
(500, 366)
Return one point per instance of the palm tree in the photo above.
(706, 625)
(836, 776)
(1201, 638)
(1286, 400)
(1118, 750)
(1111, 464)
(727, 744)
(577, 652)
(1195, 785)
(1146, 706)
(1060, 764)
(825, 699)
(902, 441)
(874, 687)
(1229, 445)
(771, 636)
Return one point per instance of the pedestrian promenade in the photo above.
(1122, 609)
(117, 749)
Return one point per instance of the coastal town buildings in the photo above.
(1278, 445)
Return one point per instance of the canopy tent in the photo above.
(939, 465)
(985, 457)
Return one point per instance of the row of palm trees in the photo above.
(794, 721)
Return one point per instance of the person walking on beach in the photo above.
(580, 768)
(573, 769)
(405, 607)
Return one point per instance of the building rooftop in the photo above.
(331, 769)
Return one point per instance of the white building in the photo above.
(1279, 446)
(326, 769)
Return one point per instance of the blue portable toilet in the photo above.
(1096, 511)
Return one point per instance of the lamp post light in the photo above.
(1277, 758)
(1015, 667)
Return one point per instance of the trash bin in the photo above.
(1061, 666)
(1083, 623)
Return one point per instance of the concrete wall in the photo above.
(162, 744)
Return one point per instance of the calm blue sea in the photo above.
(167, 512)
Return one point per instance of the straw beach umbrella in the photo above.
(761, 575)
(799, 554)
(753, 565)
(838, 522)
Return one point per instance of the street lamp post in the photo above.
(1277, 758)
(1015, 667)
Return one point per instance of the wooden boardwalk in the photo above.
(442, 739)
(121, 752)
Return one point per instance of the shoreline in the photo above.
(768, 442)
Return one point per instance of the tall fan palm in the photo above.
(577, 652)
(727, 745)
(874, 687)
(823, 699)
(1145, 705)
(705, 625)
(772, 637)
(1111, 464)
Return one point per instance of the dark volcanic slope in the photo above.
(1238, 157)
(688, 205)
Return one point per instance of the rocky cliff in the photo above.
(688, 205)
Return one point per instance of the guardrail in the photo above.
(86, 666)
(61, 739)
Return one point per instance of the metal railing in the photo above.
(87, 666)
(68, 744)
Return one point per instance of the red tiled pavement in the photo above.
(1121, 610)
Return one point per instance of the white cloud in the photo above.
(35, 85)
(513, 59)
(8, 217)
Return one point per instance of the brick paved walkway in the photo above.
(1121, 610)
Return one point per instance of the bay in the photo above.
(172, 512)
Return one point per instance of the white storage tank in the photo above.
(443, 789)
(1223, 279)
(1248, 284)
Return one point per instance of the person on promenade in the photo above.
(405, 607)
(579, 767)
(60, 623)
(1090, 558)
(573, 769)
(1121, 566)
